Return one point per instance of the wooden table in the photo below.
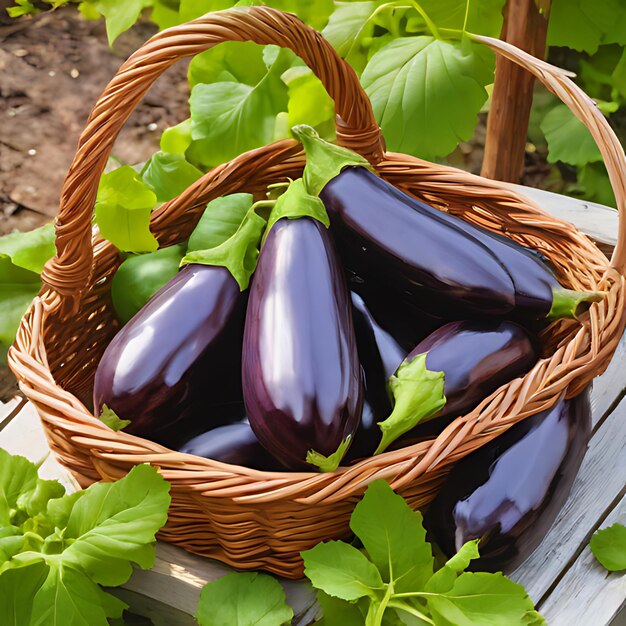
(562, 577)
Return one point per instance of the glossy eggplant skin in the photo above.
(235, 444)
(379, 355)
(476, 358)
(301, 375)
(175, 369)
(429, 258)
(509, 492)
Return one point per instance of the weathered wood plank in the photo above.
(609, 388)
(601, 479)
(587, 593)
(179, 576)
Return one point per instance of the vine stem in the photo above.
(403, 606)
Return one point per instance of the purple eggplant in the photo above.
(509, 492)
(451, 371)
(379, 355)
(235, 444)
(175, 369)
(424, 256)
(301, 375)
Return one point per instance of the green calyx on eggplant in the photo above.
(301, 376)
(451, 371)
(509, 492)
(174, 370)
(425, 255)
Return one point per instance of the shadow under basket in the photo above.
(263, 520)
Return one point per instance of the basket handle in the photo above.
(584, 108)
(68, 272)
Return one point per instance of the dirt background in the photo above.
(53, 67)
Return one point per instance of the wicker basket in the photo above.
(262, 520)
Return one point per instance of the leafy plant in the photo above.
(56, 549)
(390, 581)
(609, 547)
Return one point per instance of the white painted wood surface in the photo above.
(588, 594)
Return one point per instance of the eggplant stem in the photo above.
(571, 303)
(331, 462)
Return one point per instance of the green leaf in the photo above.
(426, 93)
(231, 61)
(18, 287)
(609, 547)
(331, 462)
(191, 9)
(114, 524)
(315, 13)
(111, 419)
(584, 24)
(230, 118)
(443, 580)
(308, 101)
(340, 570)
(595, 182)
(22, 7)
(120, 16)
(30, 250)
(484, 17)
(418, 393)
(139, 277)
(568, 138)
(67, 596)
(21, 489)
(176, 139)
(18, 587)
(477, 599)
(243, 599)
(394, 537)
(239, 254)
(347, 27)
(220, 221)
(168, 175)
(163, 15)
(123, 209)
(338, 612)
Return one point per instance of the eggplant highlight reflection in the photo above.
(175, 369)
(301, 375)
(509, 492)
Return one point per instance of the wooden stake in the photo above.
(525, 26)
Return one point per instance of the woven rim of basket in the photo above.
(74, 296)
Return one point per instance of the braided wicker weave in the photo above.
(254, 519)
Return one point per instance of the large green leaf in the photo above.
(115, 523)
(236, 61)
(229, 118)
(191, 9)
(484, 17)
(168, 175)
(426, 93)
(18, 587)
(482, 599)
(29, 250)
(249, 599)
(308, 101)
(120, 16)
(348, 27)
(568, 138)
(123, 208)
(340, 570)
(394, 537)
(585, 24)
(338, 612)
(163, 15)
(596, 185)
(609, 547)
